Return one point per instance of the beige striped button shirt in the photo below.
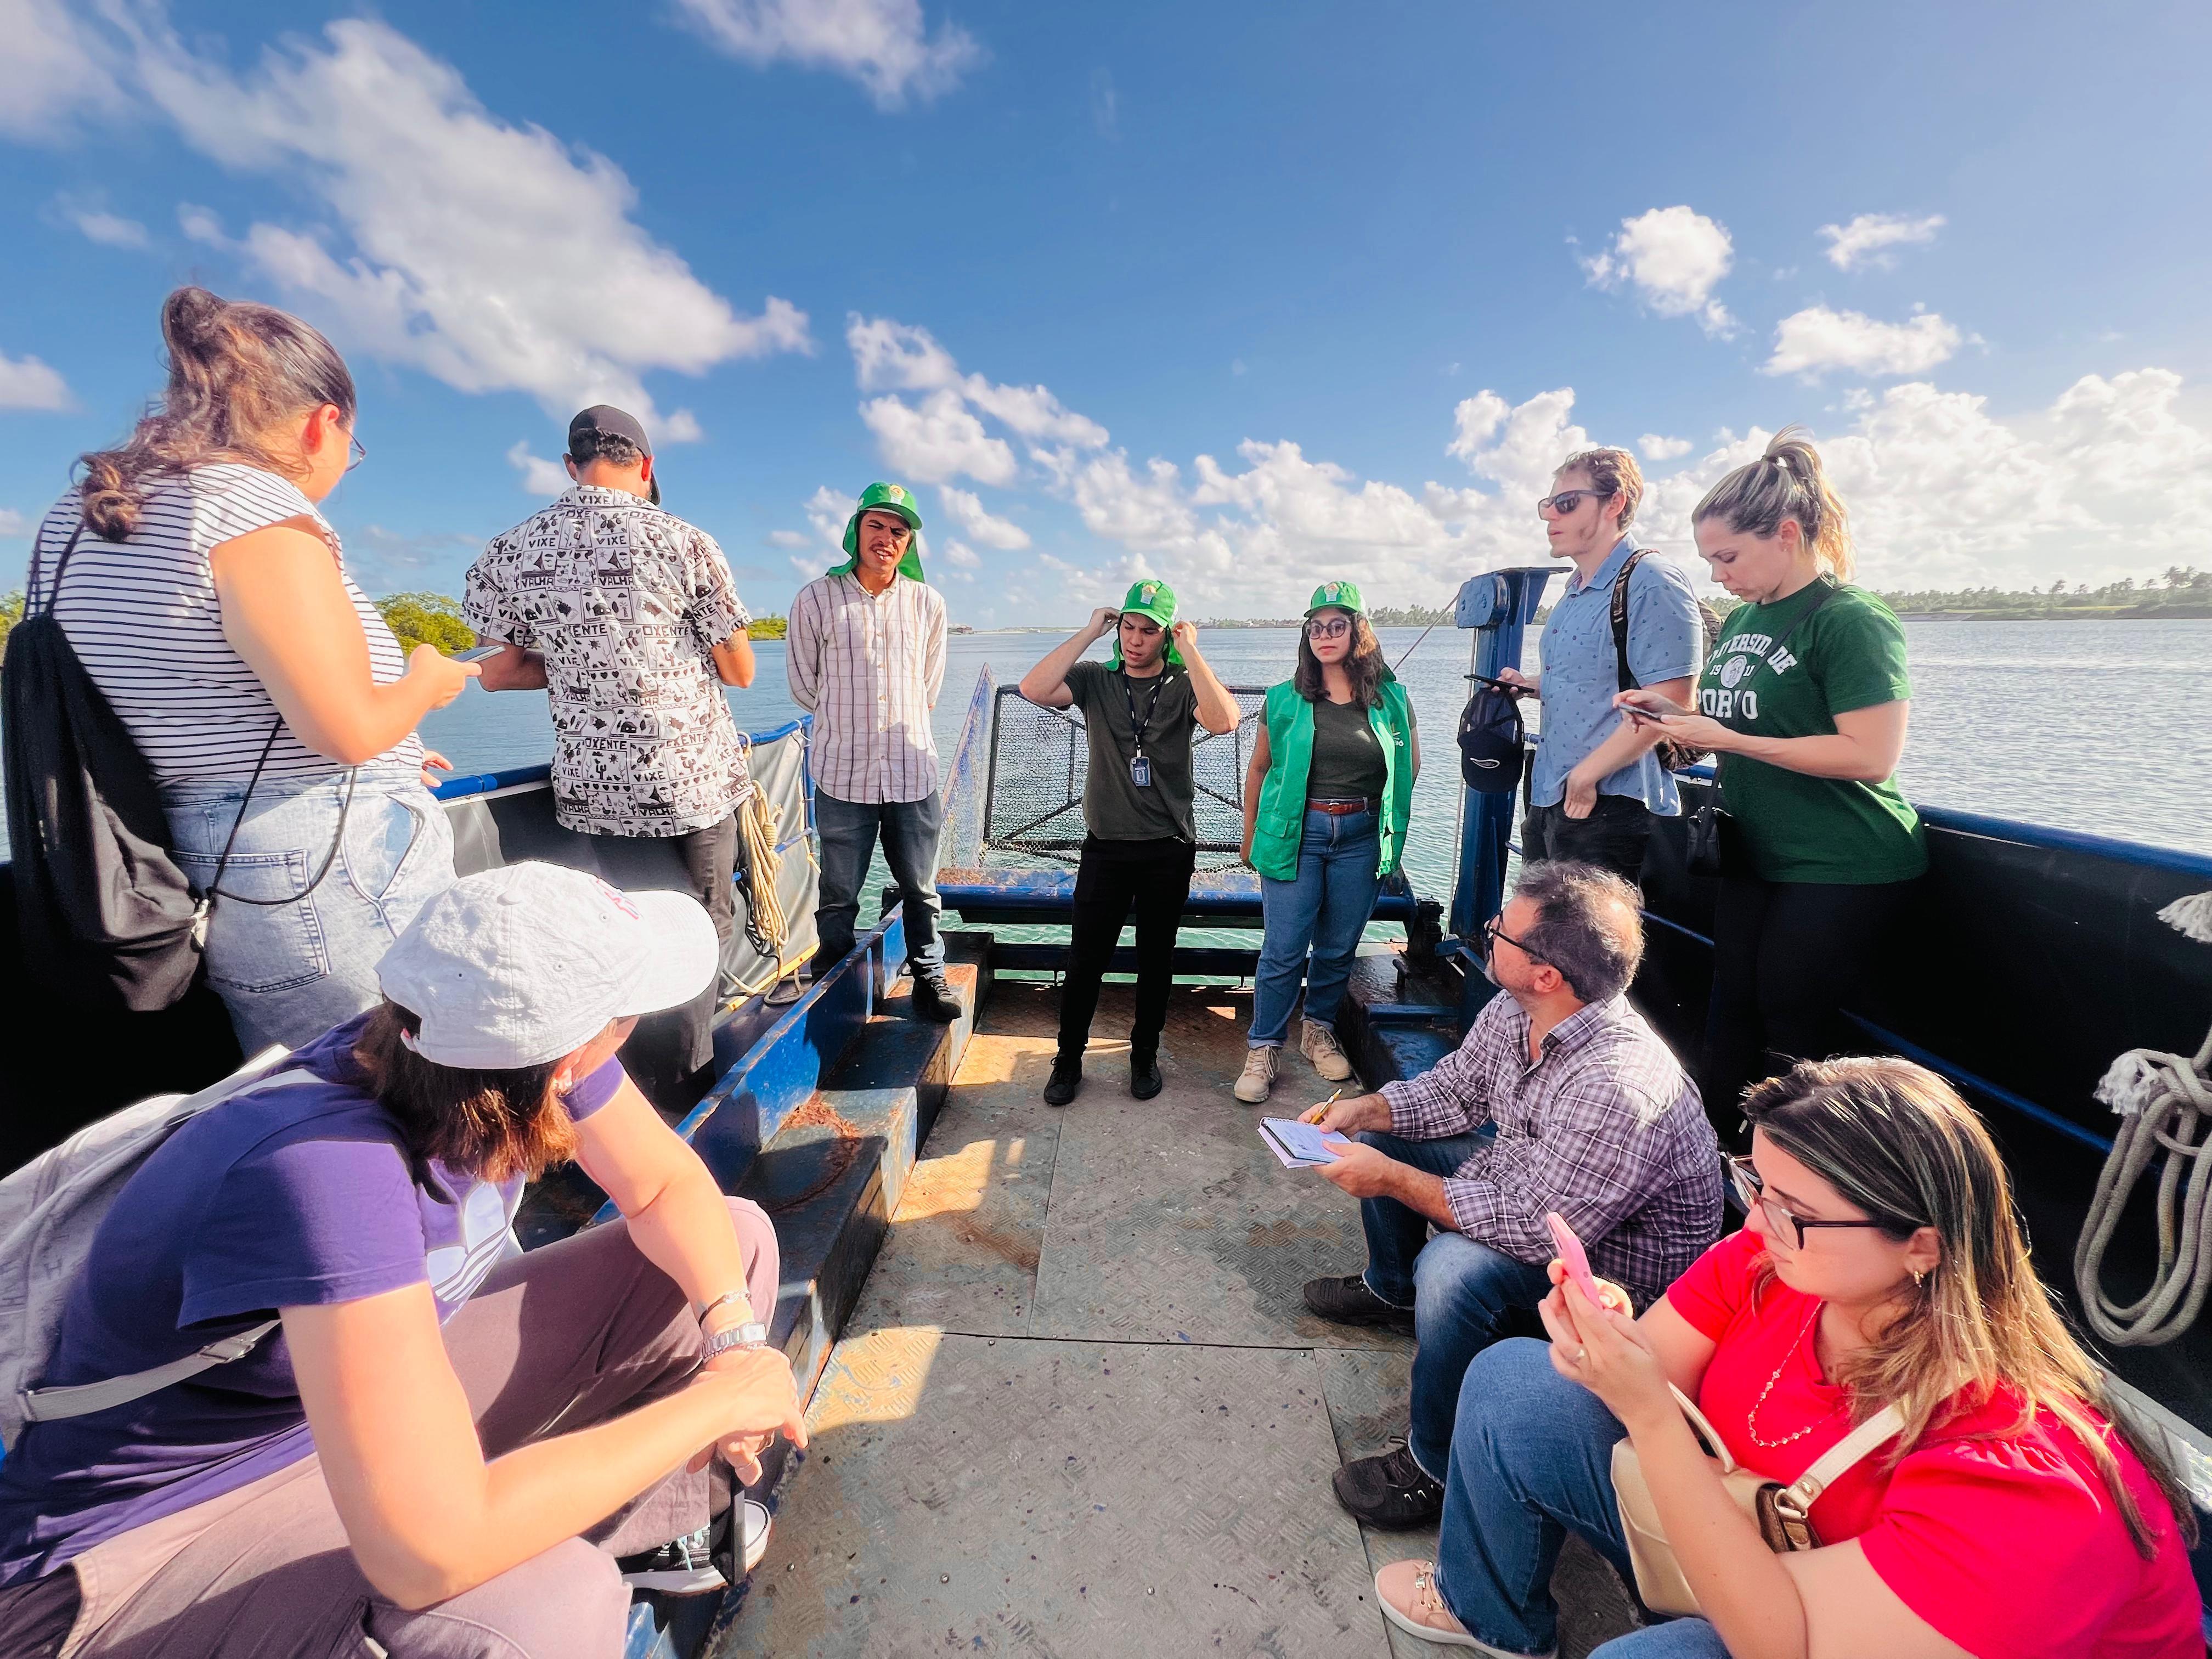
(868, 667)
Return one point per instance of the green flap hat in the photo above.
(1337, 596)
(1155, 600)
(891, 498)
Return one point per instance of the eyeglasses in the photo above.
(1753, 1191)
(1493, 933)
(1328, 627)
(357, 451)
(1567, 500)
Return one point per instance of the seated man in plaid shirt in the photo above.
(1560, 1099)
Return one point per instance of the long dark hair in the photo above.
(497, 1124)
(235, 369)
(1364, 665)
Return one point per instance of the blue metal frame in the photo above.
(463, 785)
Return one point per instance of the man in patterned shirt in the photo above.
(866, 657)
(629, 617)
(1588, 1114)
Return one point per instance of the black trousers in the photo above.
(667, 1053)
(1613, 837)
(1155, 877)
(1788, 958)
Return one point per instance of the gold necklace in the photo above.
(1750, 1418)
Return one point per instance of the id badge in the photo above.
(1140, 771)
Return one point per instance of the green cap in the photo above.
(1153, 600)
(890, 498)
(1341, 596)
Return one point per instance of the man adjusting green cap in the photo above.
(1340, 596)
(888, 498)
(1155, 600)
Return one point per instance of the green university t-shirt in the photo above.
(1850, 655)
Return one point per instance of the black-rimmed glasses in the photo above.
(1493, 933)
(1753, 1191)
(1567, 500)
(357, 451)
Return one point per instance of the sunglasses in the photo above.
(1753, 1191)
(1329, 628)
(1567, 500)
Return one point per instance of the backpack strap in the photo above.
(1628, 681)
(44, 1405)
(60, 569)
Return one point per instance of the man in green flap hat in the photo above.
(866, 656)
(1138, 707)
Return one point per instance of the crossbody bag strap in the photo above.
(1628, 681)
(1884, 1427)
(1702, 1427)
(61, 569)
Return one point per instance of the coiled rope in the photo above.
(2165, 1103)
(759, 825)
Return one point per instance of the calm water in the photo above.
(2103, 726)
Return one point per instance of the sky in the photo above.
(1244, 297)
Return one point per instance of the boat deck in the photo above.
(1080, 1407)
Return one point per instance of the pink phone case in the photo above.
(1573, 1256)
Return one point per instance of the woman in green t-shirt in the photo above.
(1326, 799)
(1803, 699)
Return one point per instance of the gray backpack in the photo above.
(49, 1212)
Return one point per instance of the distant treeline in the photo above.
(435, 619)
(1382, 615)
(2183, 591)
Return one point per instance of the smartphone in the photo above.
(478, 653)
(1574, 1257)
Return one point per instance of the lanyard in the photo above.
(1137, 725)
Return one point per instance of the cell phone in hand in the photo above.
(1573, 1257)
(478, 653)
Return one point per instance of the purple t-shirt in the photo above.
(296, 1195)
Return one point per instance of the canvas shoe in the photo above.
(1318, 1044)
(1407, 1591)
(1259, 1075)
(1066, 1079)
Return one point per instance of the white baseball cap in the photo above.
(521, 965)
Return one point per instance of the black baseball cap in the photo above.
(605, 420)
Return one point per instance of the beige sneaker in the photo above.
(1259, 1075)
(1318, 1044)
(1407, 1591)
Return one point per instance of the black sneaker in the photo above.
(687, 1566)
(1349, 1302)
(1144, 1078)
(1067, 1077)
(932, 997)
(1390, 1491)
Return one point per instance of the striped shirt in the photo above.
(143, 619)
(869, 667)
(626, 603)
(1605, 1128)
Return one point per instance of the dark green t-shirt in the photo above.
(1347, 760)
(1114, 808)
(1850, 655)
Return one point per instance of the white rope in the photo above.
(759, 826)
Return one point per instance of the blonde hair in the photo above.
(1787, 482)
(1896, 1140)
(1612, 472)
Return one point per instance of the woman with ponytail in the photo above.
(207, 596)
(1803, 700)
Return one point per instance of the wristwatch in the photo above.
(750, 1335)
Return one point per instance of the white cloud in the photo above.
(943, 437)
(960, 554)
(1816, 340)
(789, 539)
(539, 476)
(492, 256)
(1105, 103)
(1674, 258)
(829, 512)
(884, 45)
(13, 525)
(201, 225)
(1866, 240)
(940, 440)
(110, 229)
(26, 383)
(1658, 448)
(54, 69)
(967, 512)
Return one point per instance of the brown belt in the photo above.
(1341, 809)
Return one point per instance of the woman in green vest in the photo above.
(1326, 799)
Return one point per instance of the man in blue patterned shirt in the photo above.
(1561, 1099)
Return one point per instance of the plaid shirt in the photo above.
(868, 667)
(1605, 1128)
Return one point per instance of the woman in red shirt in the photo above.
(1881, 1262)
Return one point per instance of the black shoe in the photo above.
(1349, 1302)
(1144, 1078)
(1067, 1077)
(932, 997)
(1390, 1491)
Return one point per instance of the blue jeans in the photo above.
(1324, 910)
(288, 972)
(1531, 1461)
(848, 831)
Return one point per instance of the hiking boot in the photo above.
(1318, 1044)
(1407, 1591)
(933, 999)
(1259, 1075)
(1349, 1302)
(1144, 1078)
(1067, 1077)
(1390, 1491)
(685, 1565)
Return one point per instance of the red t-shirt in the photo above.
(2005, 1542)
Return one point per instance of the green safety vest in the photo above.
(1281, 828)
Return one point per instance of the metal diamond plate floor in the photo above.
(1080, 1408)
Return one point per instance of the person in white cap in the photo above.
(439, 1444)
